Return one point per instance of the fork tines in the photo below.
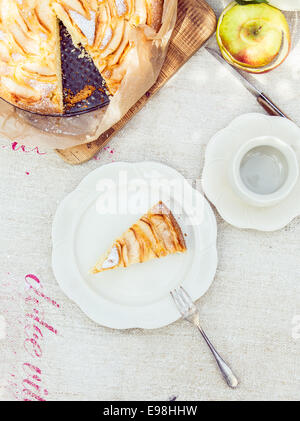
(182, 300)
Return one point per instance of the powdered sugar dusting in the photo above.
(87, 26)
(107, 38)
(3, 36)
(112, 260)
(121, 7)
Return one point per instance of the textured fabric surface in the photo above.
(250, 312)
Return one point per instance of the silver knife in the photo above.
(261, 98)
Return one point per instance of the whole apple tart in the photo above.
(30, 44)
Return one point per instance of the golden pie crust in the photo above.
(30, 67)
(156, 234)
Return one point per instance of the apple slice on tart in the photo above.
(156, 234)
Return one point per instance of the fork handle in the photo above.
(226, 371)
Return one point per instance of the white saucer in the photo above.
(218, 161)
(288, 5)
(138, 296)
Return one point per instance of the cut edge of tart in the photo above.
(156, 234)
(59, 74)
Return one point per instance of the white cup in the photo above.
(264, 171)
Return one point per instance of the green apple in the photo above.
(254, 37)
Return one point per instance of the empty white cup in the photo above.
(264, 171)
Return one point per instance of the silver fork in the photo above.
(190, 312)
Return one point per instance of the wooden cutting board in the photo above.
(196, 22)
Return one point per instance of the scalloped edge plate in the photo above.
(126, 298)
(288, 5)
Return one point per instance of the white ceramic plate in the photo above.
(137, 296)
(286, 4)
(219, 159)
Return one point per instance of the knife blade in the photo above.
(261, 98)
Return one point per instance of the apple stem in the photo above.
(257, 30)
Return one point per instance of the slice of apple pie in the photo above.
(156, 234)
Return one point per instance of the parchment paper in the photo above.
(144, 64)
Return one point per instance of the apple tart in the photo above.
(156, 234)
(30, 55)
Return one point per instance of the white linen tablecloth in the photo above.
(251, 312)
